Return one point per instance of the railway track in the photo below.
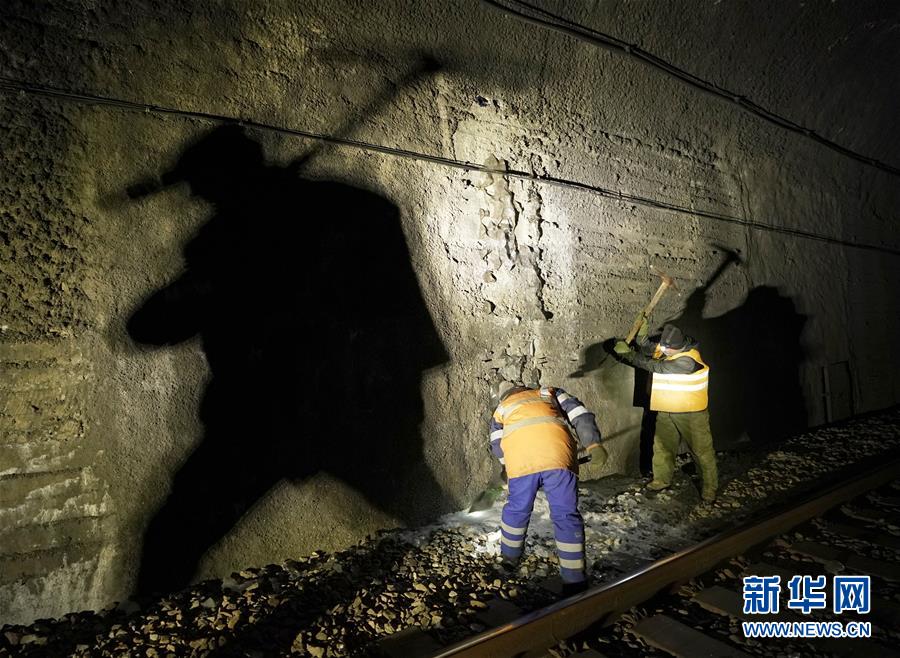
(433, 591)
(849, 525)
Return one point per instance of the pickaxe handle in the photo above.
(645, 312)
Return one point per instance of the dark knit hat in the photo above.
(507, 388)
(672, 337)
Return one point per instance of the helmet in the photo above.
(507, 388)
(672, 337)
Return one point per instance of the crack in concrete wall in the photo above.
(511, 234)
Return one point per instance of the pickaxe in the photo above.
(666, 283)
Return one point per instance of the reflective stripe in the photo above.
(681, 387)
(570, 548)
(513, 543)
(497, 434)
(536, 434)
(571, 564)
(511, 530)
(544, 395)
(504, 409)
(562, 397)
(696, 376)
(681, 393)
(503, 461)
(576, 412)
(538, 420)
(691, 354)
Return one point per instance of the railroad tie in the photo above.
(766, 569)
(682, 641)
(885, 612)
(880, 568)
(871, 515)
(722, 601)
(881, 499)
(854, 562)
(862, 533)
(822, 553)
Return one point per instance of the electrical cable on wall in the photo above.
(16, 86)
(542, 18)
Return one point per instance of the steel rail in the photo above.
(532, 634)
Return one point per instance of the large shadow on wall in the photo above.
(316, 336)
(755, 354)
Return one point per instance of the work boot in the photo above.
(708, 495)
(509, 565)
(571, 589)
(657, 485)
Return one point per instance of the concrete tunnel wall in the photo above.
(520, 278)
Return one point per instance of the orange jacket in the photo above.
(535, 433)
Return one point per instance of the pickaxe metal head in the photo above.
(666, 279)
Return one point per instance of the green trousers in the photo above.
(693, 427)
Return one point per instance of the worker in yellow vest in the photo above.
(680, 395)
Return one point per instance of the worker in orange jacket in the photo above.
(531, 435)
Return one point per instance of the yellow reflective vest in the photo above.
(536, 434)
(679, 393)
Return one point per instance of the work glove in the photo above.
(643, 330)
(621, 347)
(592, 469)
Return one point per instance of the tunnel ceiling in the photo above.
(830, 65)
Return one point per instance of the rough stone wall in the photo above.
(522, 278)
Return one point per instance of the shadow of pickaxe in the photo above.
(424, 65)
(731, 256)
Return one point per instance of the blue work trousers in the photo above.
(561, 488)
